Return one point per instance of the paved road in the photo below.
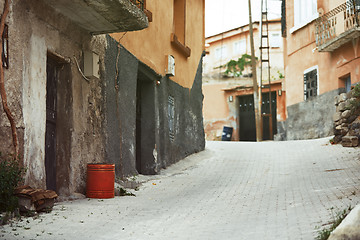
(269, 190)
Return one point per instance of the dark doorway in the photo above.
(247, 129)
(247, 118)
(266, 118)
(145, 125)
(50, 134)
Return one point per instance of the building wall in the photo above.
(218, 110)
(157, 148)
(152, 45)
(300, 55)
(35, 30)
(141, 62)
(228, 39)
(97, 117)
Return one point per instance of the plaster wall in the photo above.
(35, 30)
(34, 115)
(152, 45)
(157, 149)
(215, 102)
(301, 54)
(219, 111)
(228, 39)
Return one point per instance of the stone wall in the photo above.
(309, 119)
(346, 120)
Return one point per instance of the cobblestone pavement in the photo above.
(233, 190)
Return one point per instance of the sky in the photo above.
(223, 15)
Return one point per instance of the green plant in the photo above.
(11, 175)
(236, 67)
(324, 233)
(281, 76)
(356, 91)
(354, 104)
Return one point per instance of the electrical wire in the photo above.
(82, 74)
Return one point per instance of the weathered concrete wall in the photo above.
(189, 132)
(135, 80)
(310, 119)
(34, 31)
(120, 109)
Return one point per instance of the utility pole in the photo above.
(257, 90)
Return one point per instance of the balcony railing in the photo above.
(138, 3)
(337, 27)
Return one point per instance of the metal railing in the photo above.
(336, 22)
(139, 3)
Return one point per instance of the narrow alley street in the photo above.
(232, 190)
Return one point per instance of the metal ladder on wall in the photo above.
(265, 60)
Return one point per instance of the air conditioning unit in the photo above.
(170, 66)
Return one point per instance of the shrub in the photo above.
(11, 175)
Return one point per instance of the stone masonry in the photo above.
(346, 120)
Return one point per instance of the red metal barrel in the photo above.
(100, 180)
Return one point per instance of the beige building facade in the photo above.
(225, 95)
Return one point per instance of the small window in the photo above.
(240, 47)
(348, 84)
(304, 11)
(310, 84)
(220, 52)
(275, 40)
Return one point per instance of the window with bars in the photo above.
(171, 117)
(310, 84)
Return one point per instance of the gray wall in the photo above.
(157, 149)
(309, 119)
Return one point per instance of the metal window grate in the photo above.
(171, 117)
(139, 3)
(310, 84)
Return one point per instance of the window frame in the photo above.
(302, 16)
(306, 72)
(219, 52)
(277, 39)
(240, 43)
(178, 37)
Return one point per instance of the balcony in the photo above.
(338, 27)
(103, 16)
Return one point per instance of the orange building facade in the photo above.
(159, 78)
(321, 56)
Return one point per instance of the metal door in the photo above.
(247, 118)
(265, 112)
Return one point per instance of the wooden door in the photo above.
(50, 134)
